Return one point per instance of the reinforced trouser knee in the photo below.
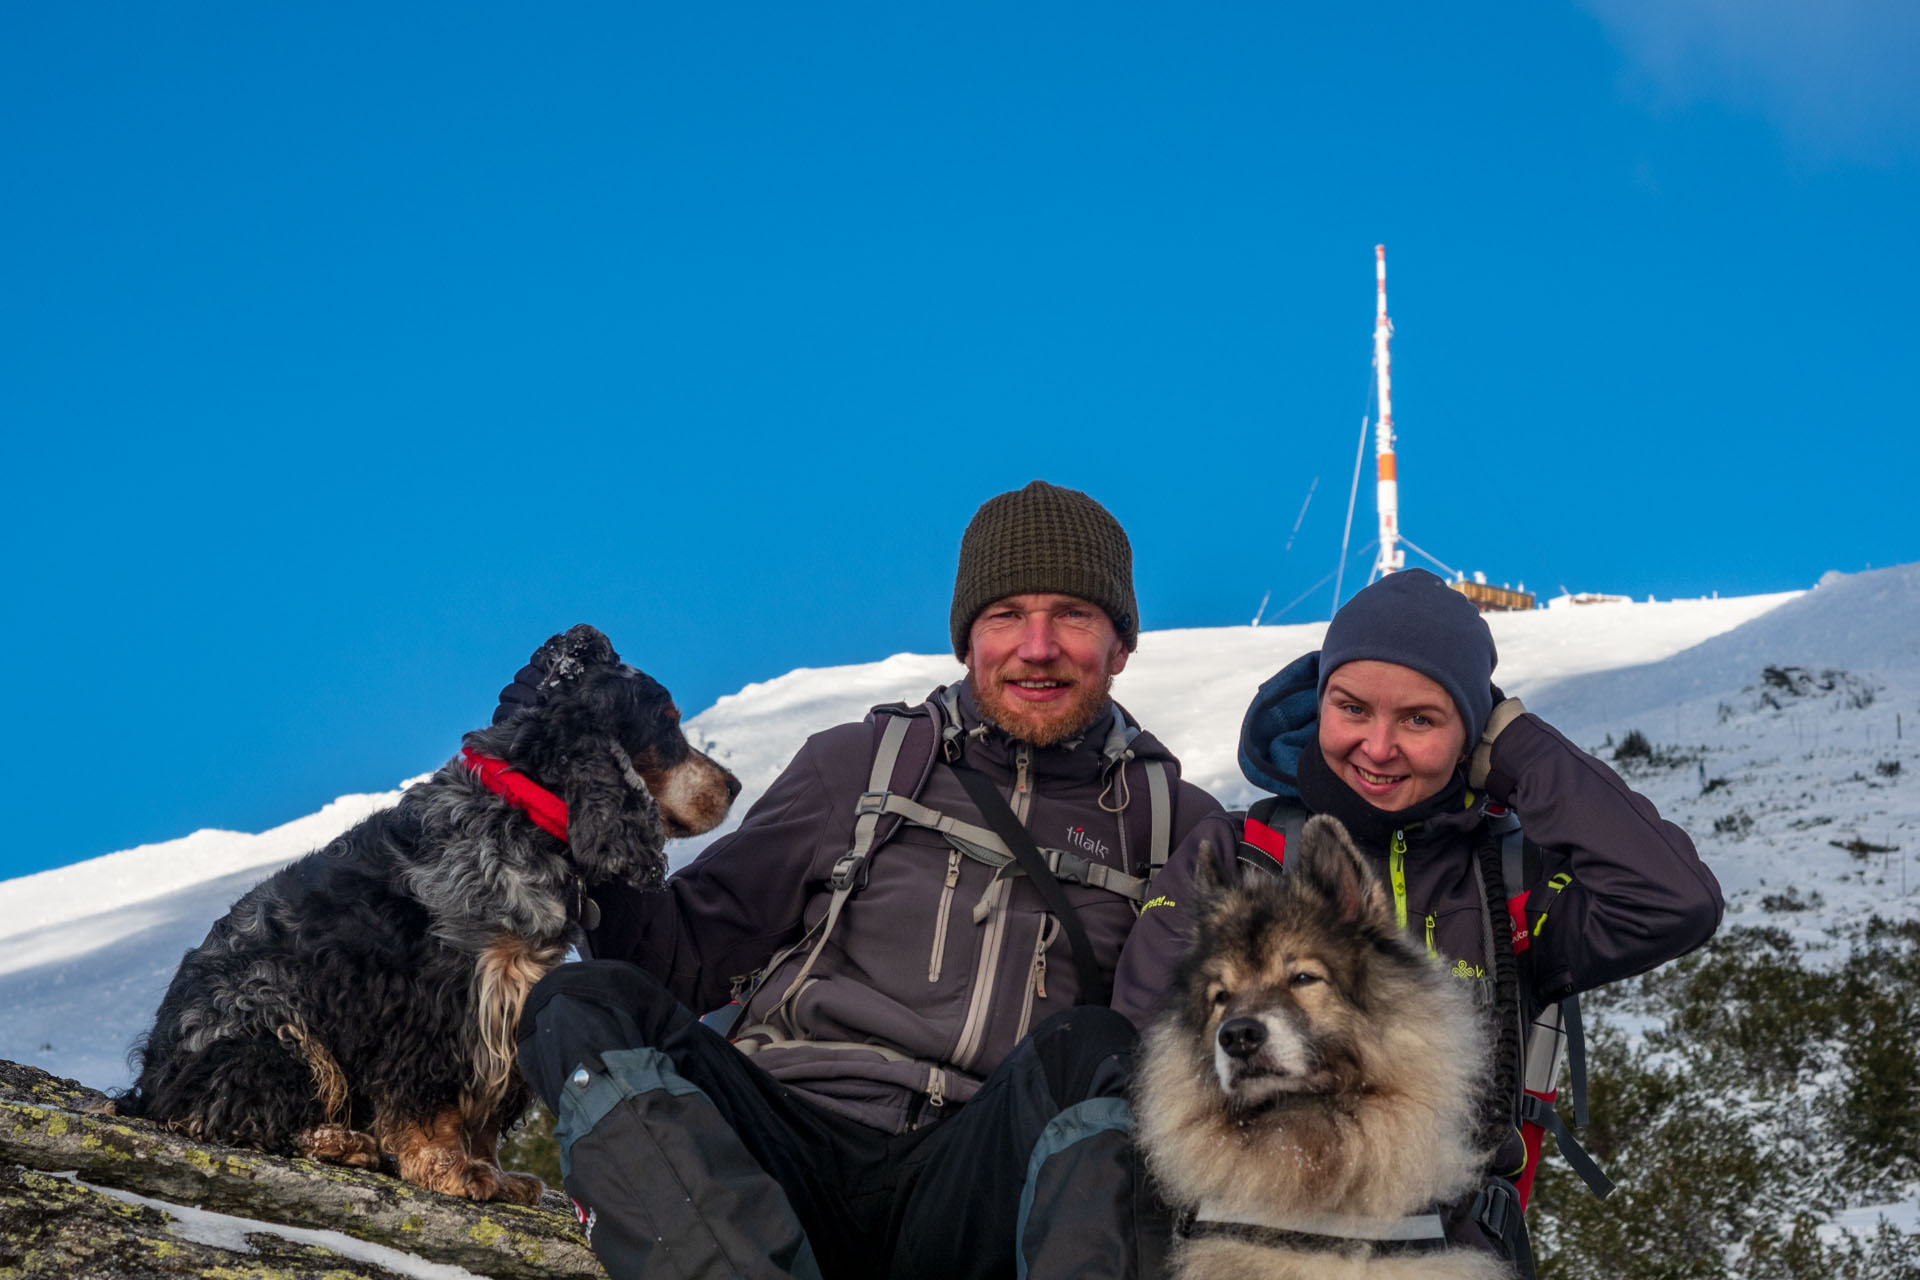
(664, 1181)
(1037, 1176)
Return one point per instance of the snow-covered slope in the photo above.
(86, 950)
(1800, 787)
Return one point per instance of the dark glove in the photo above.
(524, 692)
(1505, 711)
(558, 662)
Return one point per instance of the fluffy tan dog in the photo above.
(1309, 1095)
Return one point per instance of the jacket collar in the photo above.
(1454, 808)
(1113, 736)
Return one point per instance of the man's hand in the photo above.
(1505, 711)
(524, 692)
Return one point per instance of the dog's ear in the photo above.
(1209, 881)
(613, 826)
(563, 659)
(1333, 866)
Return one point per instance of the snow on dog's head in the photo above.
(606, 738)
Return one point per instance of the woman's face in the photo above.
(1390, 733)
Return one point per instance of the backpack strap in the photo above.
(1118, 754)
(989, 847)
(1508, 1005)
(1094, 988)
(899, 773)
(1266, 830)
(872, 803)
(1555, 1032)
(1520, 867)
(1160, 805)
(846, 874)
(886, 798)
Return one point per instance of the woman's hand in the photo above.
(1505, 711)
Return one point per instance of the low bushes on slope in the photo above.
(1762, 1095)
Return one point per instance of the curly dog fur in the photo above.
(361, 1002)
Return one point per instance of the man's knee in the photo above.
(662, 1176)
(586, 1009)
(614, 985)
(1085, 1206)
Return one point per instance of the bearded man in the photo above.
(920, 1075)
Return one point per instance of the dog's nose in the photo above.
(733, 788)
(1242, 1037)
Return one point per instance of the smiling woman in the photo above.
(1390, 733)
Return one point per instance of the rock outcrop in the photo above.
(87, 1194)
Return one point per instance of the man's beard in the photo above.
(1048, 723)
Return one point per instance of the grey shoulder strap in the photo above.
(1118, 749)
(846, 872)
(1160, 807)
(950, 730)
(879, 781)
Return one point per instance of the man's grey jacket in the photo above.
(939, 963)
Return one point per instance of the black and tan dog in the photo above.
(361, 1002)
(1313, 1090)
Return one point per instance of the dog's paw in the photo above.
(337, 1144)
(480, 1180)
(475, 1179)
(520, 1188)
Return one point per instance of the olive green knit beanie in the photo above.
(1044, 538)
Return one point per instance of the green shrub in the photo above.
(1762, 1094)
(529, 1147)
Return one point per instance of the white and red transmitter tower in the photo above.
(1387, 487)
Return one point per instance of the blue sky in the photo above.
(349, 351)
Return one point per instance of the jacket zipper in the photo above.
(1397, 867)
(980, 1002)
(1022, 785)
(1037, 972)
(940, 920)
(1431, 949)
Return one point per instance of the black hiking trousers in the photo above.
(688, 1160)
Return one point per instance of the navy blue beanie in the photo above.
(1416, 620)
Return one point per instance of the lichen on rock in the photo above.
(68, 1168)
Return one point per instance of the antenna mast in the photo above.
(1387, 489)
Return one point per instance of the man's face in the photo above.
(1390, 733)
(1042, 663)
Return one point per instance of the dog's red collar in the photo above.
(548, 811)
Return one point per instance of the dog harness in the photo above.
(1351, 1237)
(548, 811)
